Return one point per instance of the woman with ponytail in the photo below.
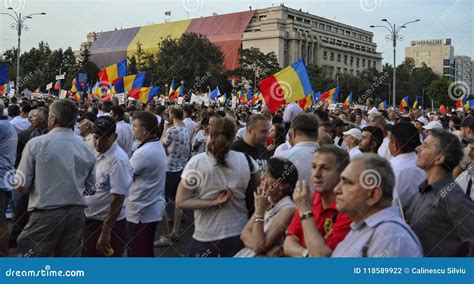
(214, 185)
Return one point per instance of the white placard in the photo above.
(60, 77)
(180, 100)
(121, 98)
(206, 100)
(62, 94)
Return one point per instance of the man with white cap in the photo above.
(352, 138)
(432, 125)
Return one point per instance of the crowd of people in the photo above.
(97, 178)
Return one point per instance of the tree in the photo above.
(192, 58)
(438, 91)
(255, 65)
(87, 66)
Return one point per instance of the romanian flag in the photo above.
(403, 103)
(415, 104)
(289, 85)
(144, 95)
(255, 98)
(249, 95)
(5, 88)
(175, 93)
(113, 72)
(172, 89)
(330, 96)
(469, 104)
(133, 81)
(57, 86)
(383, 105)
(348, 101)
(307, 102)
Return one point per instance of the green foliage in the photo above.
(438, 90)
(255, 65)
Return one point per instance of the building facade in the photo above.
(463, 70)
(292, 34)
(436, 54)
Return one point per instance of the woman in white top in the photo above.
(265, 231)
(214, 185)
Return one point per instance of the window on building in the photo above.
(348, 33)
(299, 19)
(345, 70)
(363, 62)
(357, 72)
(341, 31)
(352, 60)
(368, 63)
(325, 55)
(328, 28)
(307, 21)
(332, 56)
(345, 59)
(357, 62)
(321, 26)
(338, 70)
(352, 71)
(338, 57)
(291, 17)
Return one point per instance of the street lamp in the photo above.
(18, 25)
(393, 36)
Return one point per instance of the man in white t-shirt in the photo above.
(188, 121)
(146, 199)
(105, 233)
(124, 131)
(304, 133)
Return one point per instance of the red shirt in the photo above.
(332, 224)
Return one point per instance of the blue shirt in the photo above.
(8, 144)
(383, 234)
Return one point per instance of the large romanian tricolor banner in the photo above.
(113, 72)
(289, 85)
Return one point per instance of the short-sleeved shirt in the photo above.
(113, 176)
(61, 167)
(332, 224)
(259, 153)
(207, 179)
(124, 137)
(383, 234)
(178, 148)
(146, 197)
(301, 155)
(20, 123)
(8, 145)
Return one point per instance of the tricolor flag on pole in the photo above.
(113, 72)
(289, 85)
(403, 103)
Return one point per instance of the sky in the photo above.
(67, 22)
